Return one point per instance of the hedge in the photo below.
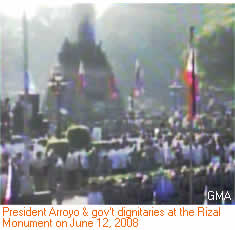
(78, 137)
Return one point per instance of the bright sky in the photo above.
(15, 8)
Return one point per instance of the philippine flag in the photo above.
(191, 81)
(81, 80)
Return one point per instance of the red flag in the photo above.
(81, 80)
(191, 81)
(113, 90)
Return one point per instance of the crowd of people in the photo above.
(168, 149)
(166, 187)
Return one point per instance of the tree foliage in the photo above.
(216, 46)
(78, 137)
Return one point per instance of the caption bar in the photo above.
(98, 217)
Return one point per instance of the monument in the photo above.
(96, 100)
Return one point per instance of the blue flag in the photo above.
(29, 85)
(139, 83)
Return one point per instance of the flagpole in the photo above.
(233, 164)
(193, 112)
(3, 56)
(26, 82)
(132, 101)
(25, 49)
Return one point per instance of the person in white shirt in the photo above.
(115, 158)
(124, 153)
(159, 154)
(197, 155)
(60, 172)
(83, 157)
(71, 166)
(38, 166)
(166, 153)
(186, 151)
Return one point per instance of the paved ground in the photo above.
(75, 200)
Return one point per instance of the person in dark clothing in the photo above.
(106, 166)
(18, 118)
(108, 191)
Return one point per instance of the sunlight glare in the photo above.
(15, 9)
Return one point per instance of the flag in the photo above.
(191, 82)
(139, 84)
(29, 85)
(113, 90)
(26, 82)
(8, 188)
(81, 80)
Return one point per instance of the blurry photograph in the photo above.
(129, 104)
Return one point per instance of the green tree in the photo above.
(216, 46)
